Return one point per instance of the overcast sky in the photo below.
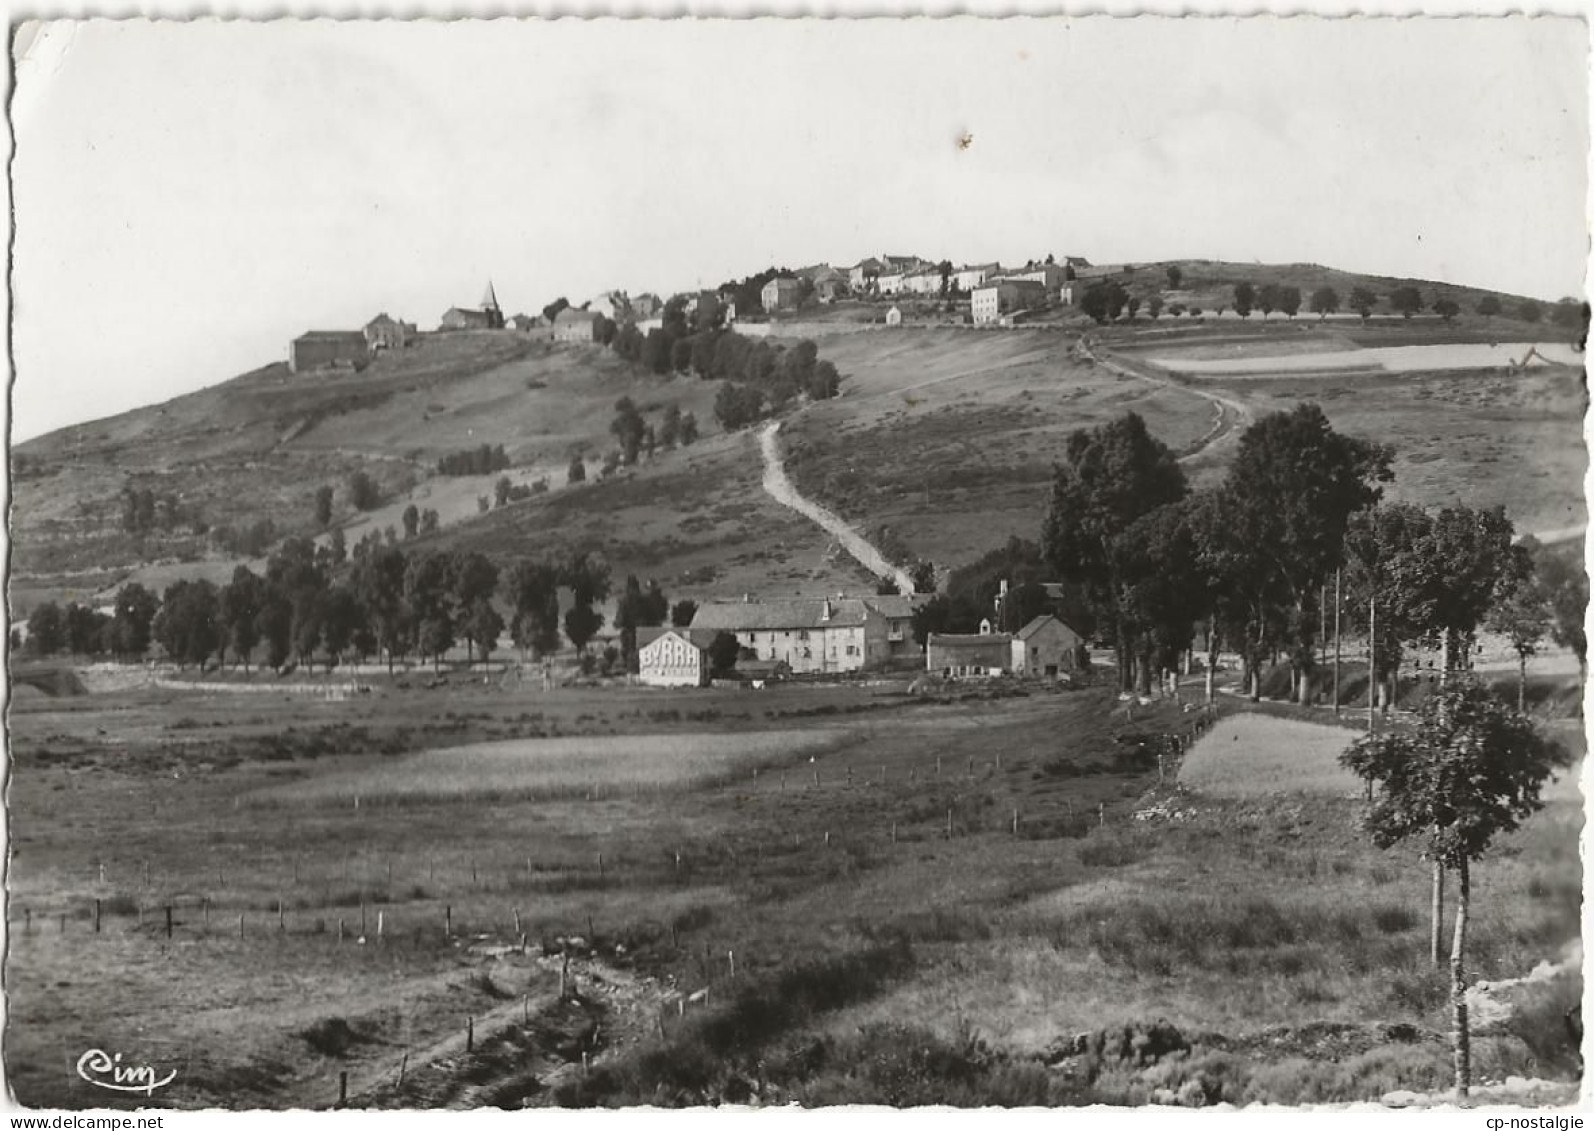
(190, 196)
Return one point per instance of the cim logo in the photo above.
(104, 1070)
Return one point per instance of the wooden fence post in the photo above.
(470, 1034)
(380, 924)
(448, 920)
(403, 1066)
(517, 920)
(240, 924)
(343, 1088)
(168, 921)
(730, 956)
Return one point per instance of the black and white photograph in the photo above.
(796, 563)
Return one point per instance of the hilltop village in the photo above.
(831, 634)
(989, 294)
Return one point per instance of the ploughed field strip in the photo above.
(1262, 361)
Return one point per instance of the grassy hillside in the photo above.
(941, 444)
(698, 521)
(257, 447)
(947, 437)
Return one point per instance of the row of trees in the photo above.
(1109, 300)
(483, 460)
(1253, 559)
(318, 602)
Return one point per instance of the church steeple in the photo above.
(495, 315)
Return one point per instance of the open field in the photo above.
(1310, 357)
(1257, 755)
(537, 768)
(878, 884)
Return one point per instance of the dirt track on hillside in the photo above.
(780, 488)
(1233, 416)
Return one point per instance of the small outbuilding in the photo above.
(1047, 647)
(968, 654)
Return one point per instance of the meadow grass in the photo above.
(552, 767)
(1250, 755)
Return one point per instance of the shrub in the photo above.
(1389, 1068)
(364, 495)
(1292, 1082)
(1394, 918)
